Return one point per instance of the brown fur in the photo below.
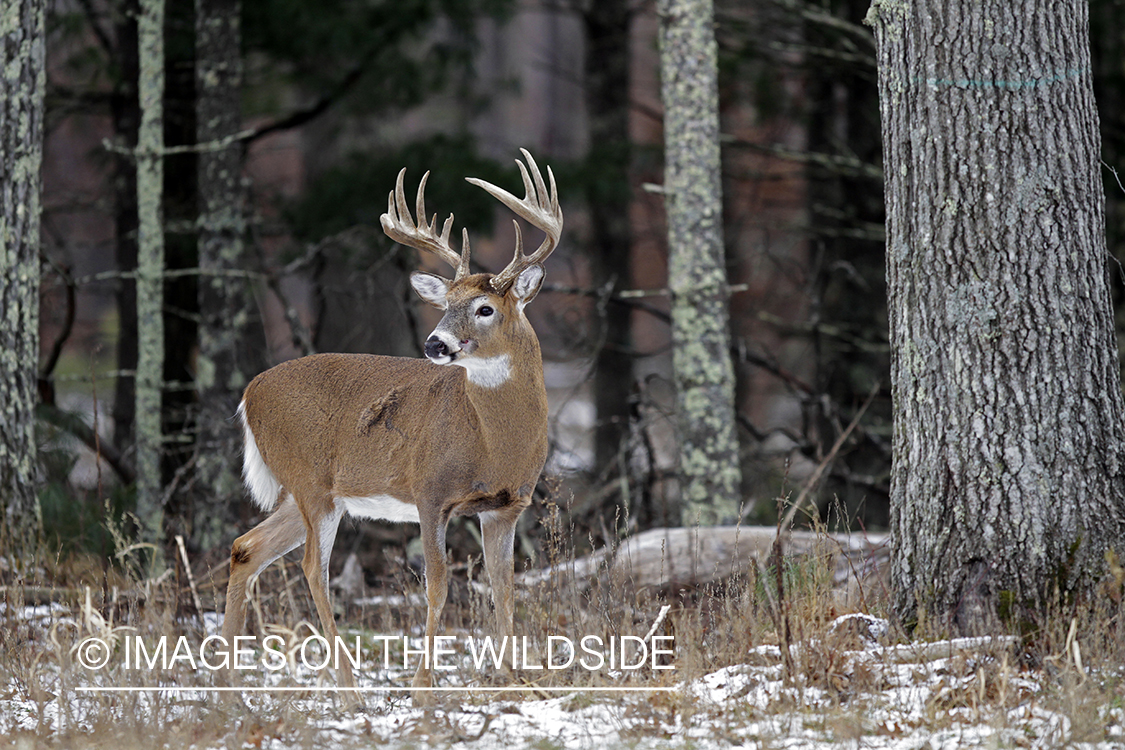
(449, 446)
(357, 425)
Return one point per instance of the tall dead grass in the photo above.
(1070, 663)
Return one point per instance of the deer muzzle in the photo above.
(437, 350)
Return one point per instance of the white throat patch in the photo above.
(487, 372)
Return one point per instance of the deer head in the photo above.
(482, 312)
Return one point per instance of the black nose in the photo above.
(435, 347)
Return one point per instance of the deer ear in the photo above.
(431, 288)
(527, 284)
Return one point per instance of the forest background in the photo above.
(335, 99)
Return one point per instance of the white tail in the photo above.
(408, 439)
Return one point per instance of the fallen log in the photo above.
(700, 556)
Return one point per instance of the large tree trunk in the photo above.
(225, 363)
(704, 377)
(22, 83)
(1007, 477)
(607, 103)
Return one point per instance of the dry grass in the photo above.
(764, 662)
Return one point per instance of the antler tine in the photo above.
(398, 224)
(540, 207)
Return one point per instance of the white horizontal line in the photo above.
(387, 689)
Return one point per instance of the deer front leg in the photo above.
(498, 534)
(437, 589)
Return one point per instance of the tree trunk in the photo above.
(704, 377)
(1007, 476)
(125, 110)
(22, 84)
(150, 271)
(608, 197)
(181, 264)
(224, 364)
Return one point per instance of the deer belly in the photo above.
(379, 508)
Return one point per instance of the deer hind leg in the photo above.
(318, 551)
(437, 589)
(251, 553)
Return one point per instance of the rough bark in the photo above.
(1007, 478)
(223, 365)
(709, 465)
(607, 104)
(150, 271)
(22, 84)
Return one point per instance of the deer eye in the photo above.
(485, 311)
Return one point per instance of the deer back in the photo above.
(357, 426)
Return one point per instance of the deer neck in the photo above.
(509, 397)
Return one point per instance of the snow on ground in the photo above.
(950, 694)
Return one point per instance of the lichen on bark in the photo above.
(703, 373)
(22, 84)
(224, 359)
(150, 272)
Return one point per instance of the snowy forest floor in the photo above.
(732, 677)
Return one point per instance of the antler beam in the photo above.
(539, 206)
(401, 227)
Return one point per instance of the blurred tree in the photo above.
(150, 272)
(181, 200)
(847, 288)
(1107, 39)
(122, 60)
(22, 85)
(607, 59)
(1008, 486)
(225, 361)
(354, 65)
(709, 458)
(806, 72)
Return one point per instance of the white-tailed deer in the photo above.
(408, 439)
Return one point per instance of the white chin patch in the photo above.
(443, 360)
(487, 372)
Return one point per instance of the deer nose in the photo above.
(436, 348)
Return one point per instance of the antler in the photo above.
(400, 227)
(538, 207)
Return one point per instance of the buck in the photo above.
(461, 432)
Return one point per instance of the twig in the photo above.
(191, 581)
(46, 387)
(656, 623)
(1113, 171)
(780, 621)
(811, 484)
(474, 737)
(846, 165)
